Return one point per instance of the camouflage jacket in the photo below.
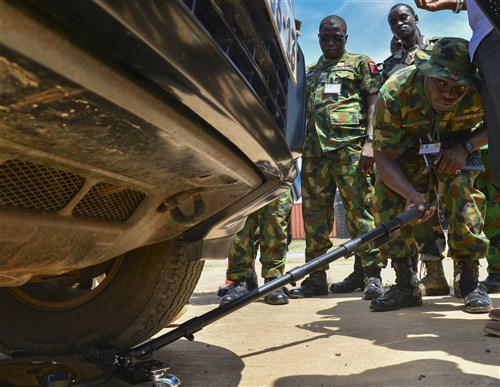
(337, 92)
(404, 57)
(404, 117)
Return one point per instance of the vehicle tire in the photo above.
(138, 294)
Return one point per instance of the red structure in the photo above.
(298, 225)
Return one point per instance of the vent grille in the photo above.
(239, 29)
(37, 187)
(109, 201)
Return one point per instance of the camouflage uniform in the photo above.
(336, 131)
(429, 236)
(491, 225)
(265, 228)
(404, 57)
(402, 118)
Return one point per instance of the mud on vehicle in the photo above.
(136, 136)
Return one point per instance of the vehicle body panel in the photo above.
(110, 94)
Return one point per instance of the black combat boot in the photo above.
(373, 284)
(239, 288)
(492, 283)
(434, 282)
(354, 281)
(414, 264)
(402, 295)
(314, 285)
(253, 283)
(278, 297)
(456, 277)
(475, 297)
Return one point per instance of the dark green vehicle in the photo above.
(136, 136)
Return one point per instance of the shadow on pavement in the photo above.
(423, 372)
(208, 360)
(196, 364)
(439, 329)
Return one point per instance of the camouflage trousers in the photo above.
(430, 239)
(463, 205)
(265, 229)
(492, 218)
(320, 177)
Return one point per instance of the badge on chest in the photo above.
(429, 149)
(332, 88)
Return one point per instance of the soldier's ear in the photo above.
(346, 38)
(416, 19)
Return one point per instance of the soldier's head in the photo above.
(448, 72)
(332, 36)
(403, 22)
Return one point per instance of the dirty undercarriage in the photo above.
(135, 138)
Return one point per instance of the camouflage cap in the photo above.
(448, 59)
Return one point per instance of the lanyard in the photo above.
(436, 133)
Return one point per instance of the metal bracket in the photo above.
(135, 372)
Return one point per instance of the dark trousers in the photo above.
(487, 60)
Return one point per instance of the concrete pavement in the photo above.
(333, 340)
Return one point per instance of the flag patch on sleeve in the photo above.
(373, 68)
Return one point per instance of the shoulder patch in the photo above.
(468, 116)
(373, 68)
(311, 66)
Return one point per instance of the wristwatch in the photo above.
(468, 146)
(459, 5)
(369, 138)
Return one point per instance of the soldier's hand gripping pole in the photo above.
(384, 233)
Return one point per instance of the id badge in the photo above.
(429, 149)
(332, 88)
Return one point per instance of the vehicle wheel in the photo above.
(128, 300)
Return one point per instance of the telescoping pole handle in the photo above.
(384, 232)
(378, 236)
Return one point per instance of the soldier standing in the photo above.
(341, 90)
(429, 235)
(407, 39)
(418, 109)
(491, 225)
(267, 229)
